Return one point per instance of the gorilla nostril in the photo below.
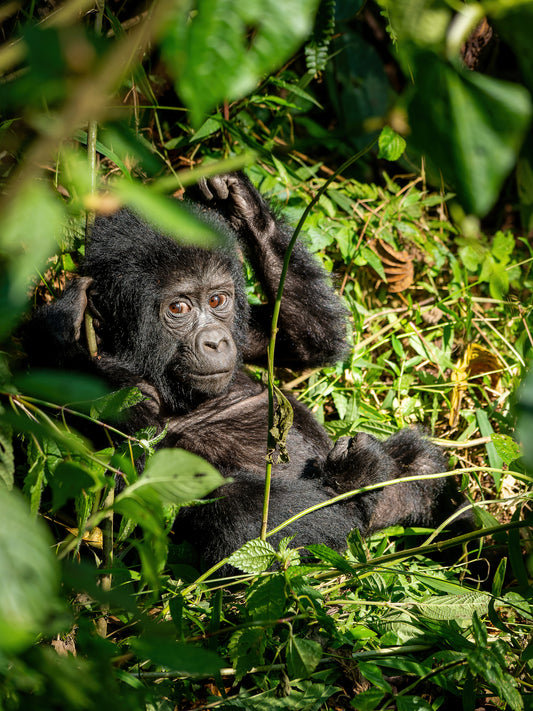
(216, 344)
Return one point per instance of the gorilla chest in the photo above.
(232, 435)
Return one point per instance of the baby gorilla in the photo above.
(173, 320)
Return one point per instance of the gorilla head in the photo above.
(176, 315)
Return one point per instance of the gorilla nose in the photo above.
(215, 351)
(212, 340)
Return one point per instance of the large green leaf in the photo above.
(182, 658)
(29, 576)
(173, 476)
(29, 228)
(302, 656)
(219, 49)
(469, 126)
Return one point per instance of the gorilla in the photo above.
(173, 320)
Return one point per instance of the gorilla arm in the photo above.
(54, 335)
(312, 319)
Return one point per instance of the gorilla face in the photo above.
(198, 313)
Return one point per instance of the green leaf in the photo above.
(220, 49)
(174, 476)
(254, 556)
(7, 460)
(246, 648)
(62, 388)
(303, 656)
(331, 557)
(166, 215)
(68, 482)
(495, 461)
(412, 703)
(502, 246)
(506, 447)
(470, 126)
(368, 700)
(266, 598)
(499, 578)
(27, 237)
(525, 419)
(391, 145)
(373, 673)
(29, 575)
(452, 607)
(113, 404)
(182, 658)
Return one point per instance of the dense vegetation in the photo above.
(405, 127)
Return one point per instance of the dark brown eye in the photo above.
(217, 300)
(179, 307)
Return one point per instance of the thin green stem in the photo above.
(274, 327)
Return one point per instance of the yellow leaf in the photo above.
(476, 363)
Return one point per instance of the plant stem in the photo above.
(274, 326)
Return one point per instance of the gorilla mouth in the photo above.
(214, 382)
(215, 374)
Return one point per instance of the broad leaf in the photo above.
(254, 557)
(27, 237)
(173, 476)
(303, 656)
(220, 49)
(29, 576)
(469, 126)
(183, 658)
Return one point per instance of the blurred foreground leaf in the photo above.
(225, 47)
(28, 575)
(469, 126)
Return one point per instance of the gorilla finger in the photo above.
(204, 189)
(219, 184)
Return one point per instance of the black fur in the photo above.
(173, 320)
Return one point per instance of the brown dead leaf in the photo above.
(476, 363)
(94, 537)
(398, 266)
(65, 645)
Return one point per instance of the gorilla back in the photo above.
(174, 321)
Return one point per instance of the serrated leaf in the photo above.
(113, 404)
(266, 598)
(453, 607)
(7, 460)
(506, 447)
(303, 656)
(254, 557)
(175, 476)
(391, 145)
(246, 648)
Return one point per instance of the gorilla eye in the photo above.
(217, 300)
(179, 307)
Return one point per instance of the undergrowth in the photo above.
(406, 619)
(99, 609)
